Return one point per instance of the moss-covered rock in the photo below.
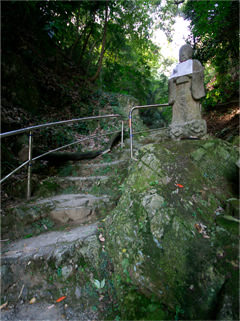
(165, 236)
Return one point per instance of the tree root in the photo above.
(61, 157)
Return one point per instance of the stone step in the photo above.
(106, 168)
(67, 262)
(81, 178)
(53, 212)
(106, 164)
(82, 183)
(50, 266)
(75, 208)
(46, 245)
(84, 178)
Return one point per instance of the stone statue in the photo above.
(186, 88)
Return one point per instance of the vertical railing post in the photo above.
(131, 133)
(122, 132)
(29, 165)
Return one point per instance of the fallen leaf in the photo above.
(33, 300)
(3, 305)
(179, 185)
(61, 298)
(202, 230)
(205, 236)
(198, 227)
(101, 238)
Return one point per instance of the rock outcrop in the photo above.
(172, 236)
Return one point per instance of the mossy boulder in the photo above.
(168, 237)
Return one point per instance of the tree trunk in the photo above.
(85, 44)
(94, 78)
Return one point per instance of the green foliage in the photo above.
(178, 312)
(154, 183)
(67, 170)
(106, 158)
(127, 59)
(103, 170)
(215, 36)
(121, 188)
(59, 271)
(99, 284)
(167, 115)
(137, 306)
(47, 187)
(157, 94)
(42, 225)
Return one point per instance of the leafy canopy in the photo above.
(215, 36)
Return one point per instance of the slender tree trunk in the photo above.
(94, 78)
(77, 38)
(88, 61)
(85, 43)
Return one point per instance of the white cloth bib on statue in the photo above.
(182, 69)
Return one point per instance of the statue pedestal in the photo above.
(193, 128)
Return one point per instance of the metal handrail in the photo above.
(68, 145)
(23, 130)
(30, 143)
(130, 122)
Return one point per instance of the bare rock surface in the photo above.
(44, 311)
(46, 243)
(39, 311)
(79, 208)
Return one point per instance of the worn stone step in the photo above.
(52, 265)
(77, 208)
(105, 168)
(100, 177)
(46, 245)
(53, 212)
(81, 178)
(82, 183)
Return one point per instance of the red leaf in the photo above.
(179, 185)
(61, 299)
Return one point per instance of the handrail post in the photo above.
(32, 128)
(29, 165)
(130, 122)
(131, 133)
(122, 132)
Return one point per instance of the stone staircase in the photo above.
(63, 256)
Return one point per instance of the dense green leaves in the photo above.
(215, 36)
(109, 42)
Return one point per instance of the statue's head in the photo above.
(185, 53)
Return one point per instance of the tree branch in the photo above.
(178, 2)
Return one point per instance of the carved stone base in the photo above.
(193, 128)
